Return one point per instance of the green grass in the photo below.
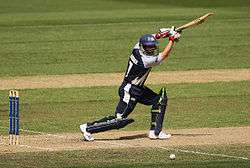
(81, 36)
(190, 106)
(138, 157)
(89, 36)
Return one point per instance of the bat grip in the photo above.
(179, 31)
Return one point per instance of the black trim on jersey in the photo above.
(135, 70)
(137, 55)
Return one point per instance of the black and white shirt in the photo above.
(139, 66)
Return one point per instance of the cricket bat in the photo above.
(195, 22)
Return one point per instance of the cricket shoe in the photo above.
(162, 135)
(86, 135)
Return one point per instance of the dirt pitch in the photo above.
(122, 139)
(114, 79)
(129, 139)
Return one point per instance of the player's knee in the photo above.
(163, 96)
(161, 99)
(124, 109)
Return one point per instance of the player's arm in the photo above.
(166, 51)
(173, 37)
(153, 61)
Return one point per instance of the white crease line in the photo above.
(28, 146)
(181, 150)
(36, 132)
(134, 146)
(40, 148)
(42, 133)
(210, 154)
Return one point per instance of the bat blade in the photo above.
(195, 22)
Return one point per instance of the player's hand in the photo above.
(172, 31)
(175, 36)
(164, 30)
(163, 33)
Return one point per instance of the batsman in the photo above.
(132, 90)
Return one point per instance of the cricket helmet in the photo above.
(149, 45)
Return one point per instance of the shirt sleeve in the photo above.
(137, 46)
(150, 61)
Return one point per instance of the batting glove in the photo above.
(175, 36)
(172, 31)
(163, 33)
(164, 30)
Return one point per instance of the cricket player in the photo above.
(144, 56)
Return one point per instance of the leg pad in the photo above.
(158, 111)
(110, 124)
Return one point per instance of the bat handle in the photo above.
(179, 31)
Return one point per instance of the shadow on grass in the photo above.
(141, 136)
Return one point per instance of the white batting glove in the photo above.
(172, 31)
(163, 33)
(175, 36)
(164, 30)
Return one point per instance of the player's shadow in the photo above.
(129, 137)
(141, 136)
